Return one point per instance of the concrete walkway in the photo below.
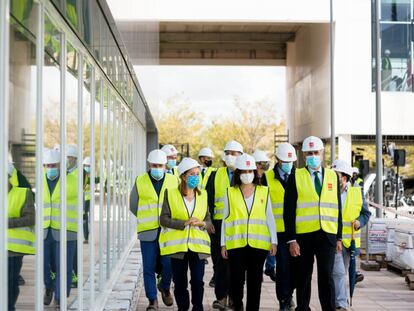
(381, 290)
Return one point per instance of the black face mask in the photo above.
(208, 163)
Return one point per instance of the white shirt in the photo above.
(270, 220)
(320, 175)
(189, 205)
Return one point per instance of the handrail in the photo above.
(392, 210)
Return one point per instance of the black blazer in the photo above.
(289, 211)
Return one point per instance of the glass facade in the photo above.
(397, 48)
(72, 108)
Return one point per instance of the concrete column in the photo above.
(345, 148)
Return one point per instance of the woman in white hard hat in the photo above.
(171, 153)
(248, 233)
(355, 213)
(146, 199)
(184, 236)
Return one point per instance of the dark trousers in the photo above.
(220, 265)
(179, 271)
(14, 266)
(311, 245)
(284, 272)
(86, 219)
(246, 261)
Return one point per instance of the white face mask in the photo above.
(247, 178)
(230, 160)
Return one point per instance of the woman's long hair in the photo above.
(237, 181)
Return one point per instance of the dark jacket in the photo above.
(289, 211)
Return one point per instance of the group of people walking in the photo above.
(243, 215)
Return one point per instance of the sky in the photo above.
(213, 88)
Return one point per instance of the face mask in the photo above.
(286, 167)
(157, 173)
(52, 172)
(171, 164)
(87, 169)
(208, 163)
(313, 161)
(10, 169)
(193, 181)
(247, 178)
(230, 161)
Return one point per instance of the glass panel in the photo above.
(396, 10)
(71, 13)
(396, 57)
(22, 146)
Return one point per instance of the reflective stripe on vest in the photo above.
(149, 204)
(51, 203)
(277, 194)
(314, 212)
(207, 175)
(221, 183)
(174, 241)
(19, 240)
(351, 211)
(244, 228)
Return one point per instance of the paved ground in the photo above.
(379, 291)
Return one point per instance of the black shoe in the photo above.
(57, 304)
(21, 281)
(359, 277)
(271, 273)
(48, 296)
(212, 282)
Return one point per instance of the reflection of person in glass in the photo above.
(20, 235)
(386, 73)
(51, 224)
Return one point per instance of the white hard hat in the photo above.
(186, 164)
(233, 146)
(87, 161)
(72, 151)
(245, 162)
(157, 156)
(286, 152)
(342, 167)
(355, 170)
(260, 156)
(169, 150)
(312, 143)
(51, 156)
(206, 152)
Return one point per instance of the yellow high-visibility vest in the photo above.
(22, 239)
(313, 212)
(87, 188)
(14, 180)
(192, 238)
(358, 182)
(277, 196)
(175, 172)
(244, 228)
(149, 203)
(51, 204)
(221, 183)
(351, 211)
(207, 175)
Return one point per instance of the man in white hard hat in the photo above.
(355, 213)
(313, 224)
(356, 180)
(205, 158)
(277, 182)
(146, 199)
(72, 158)
(52, 225)
(171, 153)
(216, 188)
(86, 197)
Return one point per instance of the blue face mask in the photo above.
(171, 164)
(193, 181)
(313, 161)
(87, 169)
(157, 173)
(286, 167)
(52, 172)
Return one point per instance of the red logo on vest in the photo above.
(311, 144)
(330, 187)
